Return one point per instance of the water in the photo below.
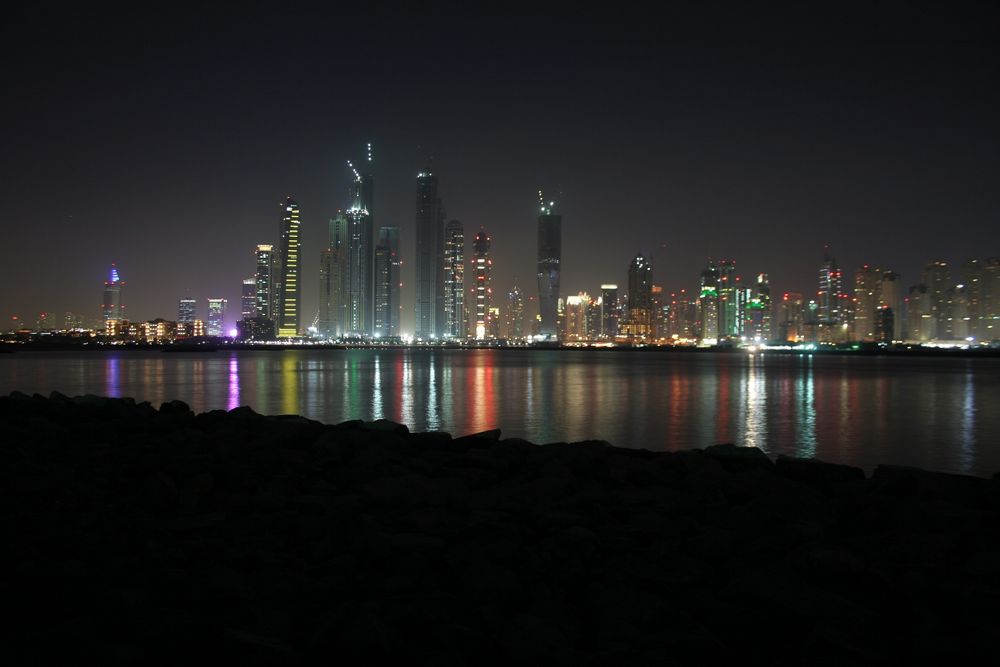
(935, 413)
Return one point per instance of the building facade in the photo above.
(549, 268)
(289, 288)
(454, 280)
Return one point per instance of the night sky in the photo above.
(164, 137)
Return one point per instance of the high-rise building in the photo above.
(989, 321)
(708, 306)
(549, 266)
(971, 273)
(387, 266)
(333, 262)
(729, 321)
(515, 314)
(454, 280)
(483, 269)
(186, 308)
(867, 286)
(575, 318)
(358, 284)
(682, 316)
(428, 283)
(638, 323)
(217, 317)
(890, 295)
(289, 287)
(791, 318)
(264, 280)
(830, 290)
(937, 277)
(248, 299)
(609, 310)
(112, 308)
(757, 313)
(919, 319)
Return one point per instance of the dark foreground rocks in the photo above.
(143, 536)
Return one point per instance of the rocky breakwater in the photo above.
(137, 535)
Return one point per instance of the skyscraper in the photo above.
(609, 310)
(216, 317)
(830, 314)
(729, 326)
(290, 245)
(937, 277)
(867, 286)
(387, 264)
(186, 310)
(454, 280)
(429, 263)
(111, 306)
(640, 298)
(549, 266)
(708, 306)
(891, 307)
(515, 314)
(359, 288)
(264, 281)
(248, 299)
(483, 267)
(332, 272)
(758, 312)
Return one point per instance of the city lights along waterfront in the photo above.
(936, 413)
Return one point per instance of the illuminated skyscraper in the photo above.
(515, 314)
(791, 317)
(708, 306)
(549, 266)
(639, 322)
(248, 299)
(989, 321)
(890, 307)
(358, 286)
(729, 324)
(332, 272)
(757, 315)
(483, 267)
(867, 287)
(971, 273)
(919, 320)
(609, 310)
(387, 265)
(429, 261)
(937, 277)
(216, 317)
(454, 280)
(830, 289)
(186, 310)
(264, 278)
(289, 288)
(112, 307)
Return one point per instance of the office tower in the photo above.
(454, 280)
(482, 266)
(937, 277)
(288, 287)
(186, 310)
(989, 322)
(744, 297)
(682, 316)
(333, 262)
(830, 290)
(638, 323)
(729, 326)
(971, 273)
(919, 320)
(515, 314)
(265, 260)
(867, 285)
(657, 312)
(387, 265)
(549, 266)
(708, 306)
(493, 320)
(758, 312)
(791, 317)
(111, 306)
(609, 310)
(575, 317)
(890, 296)
(358, 276)
(428, 269)
(248, 299)
(216, 317)
(884, 324)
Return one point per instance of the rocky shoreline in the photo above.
(157, 536)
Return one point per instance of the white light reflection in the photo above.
(377, 411)
(967, 433)
(756, 405)
(806, 419)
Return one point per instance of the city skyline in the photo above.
(702, 151)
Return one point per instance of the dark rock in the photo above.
(386, 426)
(824, 476)
(739, 459)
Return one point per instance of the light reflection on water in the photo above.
(930, 412)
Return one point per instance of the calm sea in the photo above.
(936, 413)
